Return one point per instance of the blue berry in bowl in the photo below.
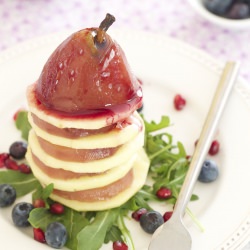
(18, 149)
(20, 214)
(218, 7)
(239, 11)
(7, 195)
(56, 235)
(209, 171)
(150, 221)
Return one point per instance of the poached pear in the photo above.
(89, 72)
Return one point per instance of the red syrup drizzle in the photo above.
(110, 113)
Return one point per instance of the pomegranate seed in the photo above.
(39, 235)
(164, 193)
(11, 164)
(39, 203)
(119, 245)
(179, 102)
(138, 213)
(167, 215)
(24, 168)
(214, 148)
(3, 158)
(56, 208)
(16, 114)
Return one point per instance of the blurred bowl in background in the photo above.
(233, 24)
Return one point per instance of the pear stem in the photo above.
(105, 24)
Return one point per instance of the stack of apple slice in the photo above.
(87, 138)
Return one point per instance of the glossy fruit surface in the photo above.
(138, 213)
(18, 149)
(39, 203)
(39, 235)
(150, 221)
(214, 148)
(11, 164)
(7, 195)
(20, 214)
(56, 208)
(24, 168)
(3, 158)
(56, 235)
(164, 193)
(167, 215)
(209, 171)
(83, 74)
(179, 102)
(119, 245)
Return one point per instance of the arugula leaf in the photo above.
(71, 219)
(125, 232)
(74, 222)
(23, 124)
(153, 126)
(43, 193)
(113, 234)
(23, 183)
(141, 199)
(168, 163)
(47, 191)
(92, 236)
(41, 217)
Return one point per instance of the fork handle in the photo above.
(222, 93)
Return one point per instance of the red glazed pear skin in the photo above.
(83, 75)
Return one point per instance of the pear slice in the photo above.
(109, 139)
(82, 183)
(123, 154)
(140, 171)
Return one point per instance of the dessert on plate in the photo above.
(87, 137)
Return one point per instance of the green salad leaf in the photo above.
(73, 221)
(23, 183)
(93, 235)
(23, 124)
(153, 126)
(113, 234)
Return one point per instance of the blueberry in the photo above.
(219, 7)
(239, 11)
(20, 214)
(150, 221)
(18, 149)
(7, 195)
(209, 171)
(56, 235)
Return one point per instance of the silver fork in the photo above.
(173, 235)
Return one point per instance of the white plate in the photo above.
(166, 67)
